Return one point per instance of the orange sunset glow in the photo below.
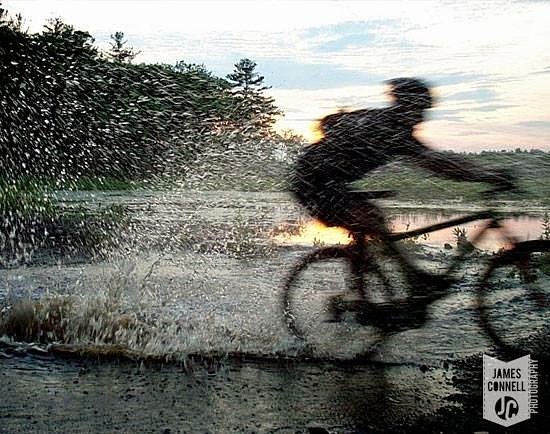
(314, 232)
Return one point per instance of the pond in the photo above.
(219, 291)
(196, 278)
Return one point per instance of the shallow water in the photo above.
(200, 273)
(50, 395)
(165, 300)
(159, 214)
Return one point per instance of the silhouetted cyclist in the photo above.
(355, 143)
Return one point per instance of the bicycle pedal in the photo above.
(334, 318)
(337, 307)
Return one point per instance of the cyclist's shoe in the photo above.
(429, 286)
(394, 317)
(337, 306)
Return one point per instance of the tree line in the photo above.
(68, 110)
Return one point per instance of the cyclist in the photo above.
(355, 143)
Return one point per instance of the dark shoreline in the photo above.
(260, 395)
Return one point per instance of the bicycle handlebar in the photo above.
(499, 189)
(375, 194)
(504, 181)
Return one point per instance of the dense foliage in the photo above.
(68, 111)
(73, 117)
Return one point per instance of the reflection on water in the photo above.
(522, 228)
(171, 300)
(313, 232)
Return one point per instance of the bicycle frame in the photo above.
(493, 223)
(360, 247)
(410, 312)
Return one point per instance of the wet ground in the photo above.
(61, 396)
(209, 306)
(45, 393)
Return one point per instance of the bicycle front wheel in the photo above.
(514, 298)
(309, 288)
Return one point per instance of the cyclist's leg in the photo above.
(421, 283)
(355, 213)
(364, 216)
(338, 206)
(333, 207)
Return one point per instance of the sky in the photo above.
(489, 62)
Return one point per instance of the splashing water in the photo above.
(211, 285)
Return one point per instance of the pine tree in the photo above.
(253, 109)
(119, 52)
(244, 79)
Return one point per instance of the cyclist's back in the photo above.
(358, 142)
(355, 144)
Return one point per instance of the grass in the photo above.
(418, 185)
(100, 183)
(29, 184)
(530, 168)
(35, 321)
(25, 197)
(30, 220)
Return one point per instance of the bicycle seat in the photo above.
(374, 194)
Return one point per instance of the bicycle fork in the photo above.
(338, 305)
(358, 265)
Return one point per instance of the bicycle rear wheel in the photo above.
(311, 284)
(514, 298)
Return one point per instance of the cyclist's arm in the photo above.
(454, 167)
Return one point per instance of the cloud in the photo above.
(474, 94)
(487, 60)
(331, 39)
(535, 124)
(199, 17)
(542, 71)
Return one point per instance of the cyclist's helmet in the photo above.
(411, 92)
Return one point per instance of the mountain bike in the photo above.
(332, 283)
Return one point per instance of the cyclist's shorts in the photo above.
(336, 205)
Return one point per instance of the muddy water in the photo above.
(174, 301)
(225, 299)
(48, 395)
(201, 304)
(524, 227)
